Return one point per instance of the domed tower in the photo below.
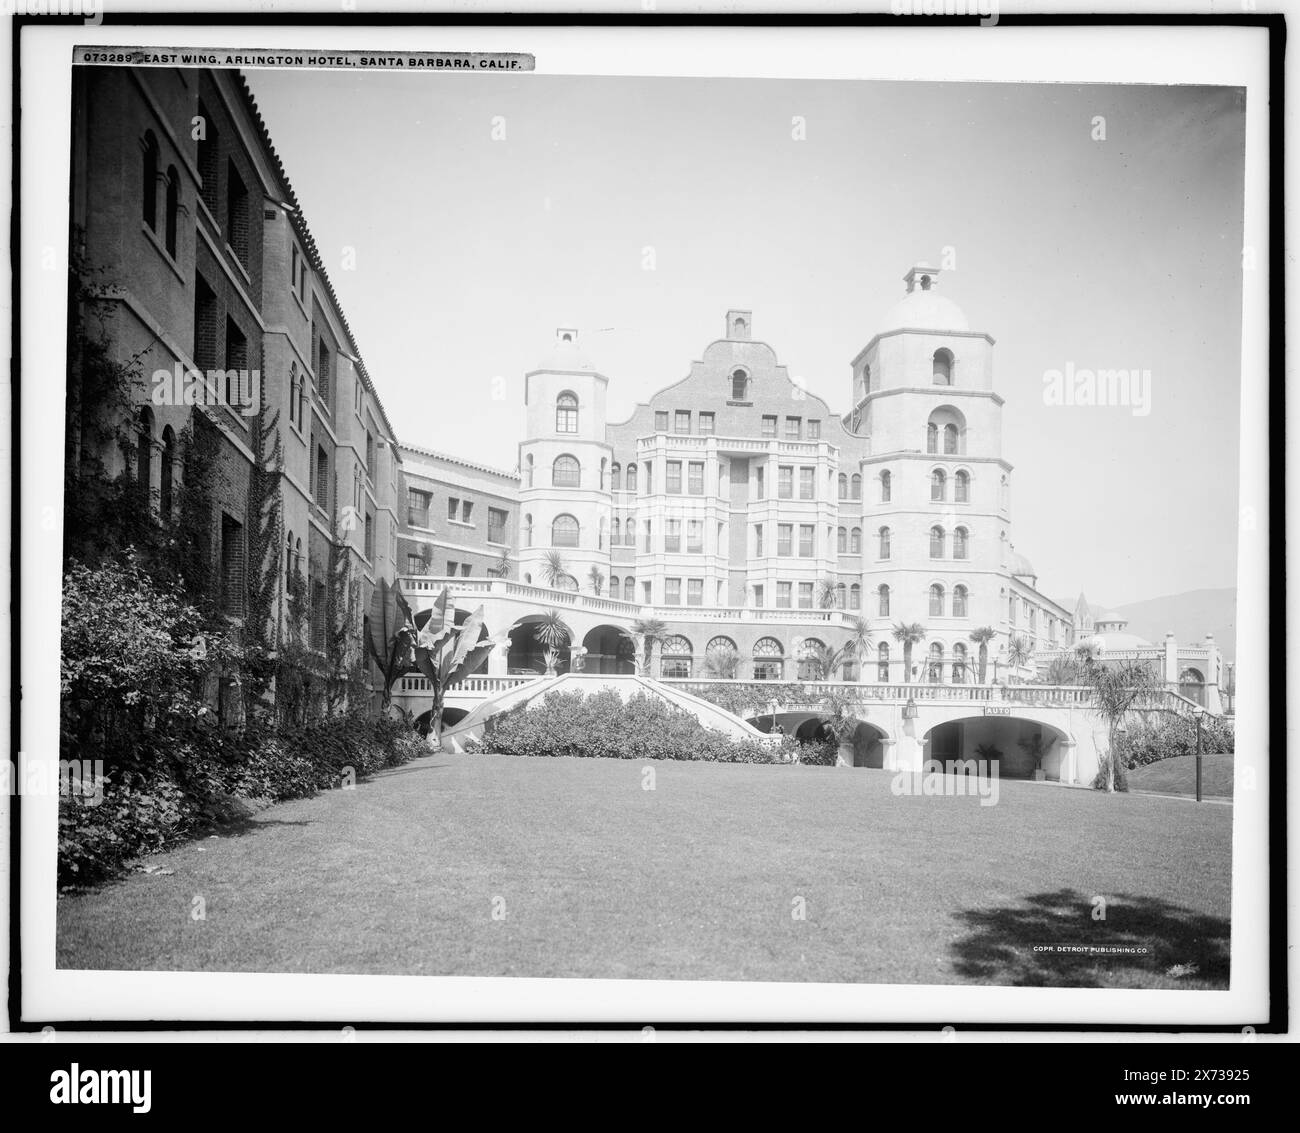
(564, 467)
(935, 486)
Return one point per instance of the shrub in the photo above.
(603, 725)
(1150, 741)
(1121, 778)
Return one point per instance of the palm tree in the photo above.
(504, 564)
(555, 569)
(1063, 670)
(1115, 690)
(1018, 653)
(647, 632)
(596, 580)
(982, 636)
(722, 663)
(553, 632)
(855, 648)
(826, 597)
(909, 633)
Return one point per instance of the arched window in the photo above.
(882, 602)
(528, 471)
(958, 663)
(566, 413)
(149, 181)
(855, 597)
(144, 451)
(616, 477)
(631, 477)
(936, 601)
(615, 587)
(844, 486)
(564, 531)
(841, 595)
(855, 541)
(675, 657)
(936, 542)
(961, 489)
(884, 542)
(959, 602)
(855, 486)
(615, 534)
(932, 437)
(739, 385)
(629, 589)
(811, 655)
(943, 367)
(938, 485)
(961, 543)
(842, 541)
(566, 472)
(946, 421)
(950, 437)
(173, 208)
(936, 663)
(165, 493)
(769, 659)
(528, 530)
(886, 487)
(288, 563)
(882, 662)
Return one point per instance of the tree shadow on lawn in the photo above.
(1005, 944)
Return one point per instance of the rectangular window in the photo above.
(784, 534)
(805, 540)
(673, 536)
(682, 421)
(814, 430)
(323, 372)
(805, 595)
(466, 510)
(673, 477)
(782, 595)
(695, 592)
(759, 479)
(453, 508)
(646, 591)
(661, 420)
(465, 569)
(232, 565)
(318, 612)
(695, 478)
(785, 482)
(417, 507)
(414, 564)
(769, 426)
(236, 364)
(706, 424)
(673, 591)
(758, 596)
(695, 537)
(370, 455)
(793, 428)
(806, 483)
(205, 326)
(758, 540)
(497, 525)
(649, 537)
(451, 568)
(370, 537)
(322, 485)
(236, 212)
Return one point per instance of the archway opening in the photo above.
(1015, 745)
(609, 651)
(527, 653)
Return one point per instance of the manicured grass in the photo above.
(696, 879)
(1177, 776)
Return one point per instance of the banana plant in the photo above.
(446, 653)
(390, 635)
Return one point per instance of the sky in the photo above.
(463, 217)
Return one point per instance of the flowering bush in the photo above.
(603, 725)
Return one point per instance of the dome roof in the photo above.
(1020, 566)
(1114, 642)
(924, 310)
(1110, 618)
(565, 353)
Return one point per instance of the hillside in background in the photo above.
(1189, 617)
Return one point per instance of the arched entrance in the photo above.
(527, 654)
(609, 651)
(1191, 683)
(1015, 745)
(868, 745)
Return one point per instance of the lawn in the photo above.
(499, 866)
(1177, 776)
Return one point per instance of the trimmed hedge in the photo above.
(604, 726)
(1152, 741)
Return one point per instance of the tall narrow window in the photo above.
(324, 371)
(629, 589)
(232, 565)
(236, 212)
(936, 601)
(959, 601)
(322, 478)
(855, 486)
(149, 181)
(564, 531)
(943, 367)
(882, 663)
(740, 386)
(886, 487)
(173, 208)
(166, 494)
(932, 437)
(144, 452)
(616, 477)
(842, 541)
(855, 541)
(882, 602)
(960, 543)
(293, 394)
(961, 488)
(855, 597)
(950, 440)
(566, 413)
(844, 486)
(631, 478)
(936, 542)
(205, 325)
(884, 542)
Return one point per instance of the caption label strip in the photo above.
(308, 60)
